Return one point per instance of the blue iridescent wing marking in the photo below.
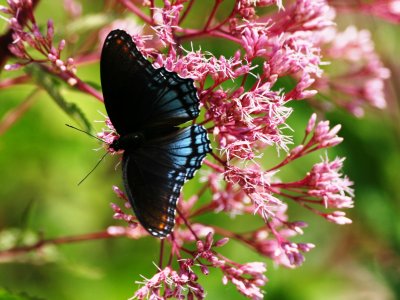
(147, 102)
(155, 173)
(138, 96)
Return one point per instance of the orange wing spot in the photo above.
(119, 41)
(164, 220)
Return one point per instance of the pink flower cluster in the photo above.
(33, 38)
(26, 36)
(168, 283)
(362, 81)
(386, 9)
(246, 114)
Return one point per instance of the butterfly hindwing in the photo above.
(155, 173)
(137, 95)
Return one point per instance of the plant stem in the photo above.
(16, 113)
(7, 255)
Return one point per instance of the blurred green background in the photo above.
(41, 161)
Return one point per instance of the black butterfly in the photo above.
(146, 105)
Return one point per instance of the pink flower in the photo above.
(362, 82)
(47, 53)
(197, 231)
(197, 65)
(109, 136)
(42, 43)
(246, 8)
(248, 278)
(386, 9)
(166, 20)
(168, 283)
(254, 39)
(327, 180)
(73, 8)
(338, 217)
(326, 137)
(249, 121)
(229, 198)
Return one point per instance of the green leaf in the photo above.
(52, 86)
(7, 295)
(87, 23)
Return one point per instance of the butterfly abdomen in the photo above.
(128, 142)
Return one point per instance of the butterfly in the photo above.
(146, 106)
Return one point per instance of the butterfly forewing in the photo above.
(137, 95)
(176, 99)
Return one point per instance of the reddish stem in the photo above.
(192, 33)
(187, 223)
(174, 250)
(277, 236)
(151, 9)
(80, 85)
(232, 235)
(7, 254)
(160, 262)
(217, 158)
(213, 12)
(217, 27)
(186, 12)
(201, 123)
(84, 87)
(9, 82)
(310, 147)
(204, 209)
(133, 8)
(214, 166)
(88, 58)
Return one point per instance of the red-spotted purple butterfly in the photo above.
(145, 106)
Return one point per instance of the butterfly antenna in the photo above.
(94, 168)
(89, 134)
